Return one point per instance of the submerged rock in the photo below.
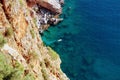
(54, 21)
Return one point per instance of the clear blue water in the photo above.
(90, 33)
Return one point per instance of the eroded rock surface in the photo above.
(52, 5)
(23, 55)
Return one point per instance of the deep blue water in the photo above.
(90, 33)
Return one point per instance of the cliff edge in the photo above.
(23, 56)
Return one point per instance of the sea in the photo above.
(88, 39)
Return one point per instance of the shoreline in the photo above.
(46, 16)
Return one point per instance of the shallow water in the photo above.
(90, 34)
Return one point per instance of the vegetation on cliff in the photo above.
(12, 70)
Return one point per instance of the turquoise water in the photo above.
(90, 34)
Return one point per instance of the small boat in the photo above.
(59, 40)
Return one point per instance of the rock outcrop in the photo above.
(52, 5)
(23, 56)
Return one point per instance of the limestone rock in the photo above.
(22, 54)
(61, 2)
(52, 5)
(55, 21)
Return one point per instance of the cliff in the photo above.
(23, 56)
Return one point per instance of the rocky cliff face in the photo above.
(52, 5)
(23, 56)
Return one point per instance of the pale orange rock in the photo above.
(24, 46)
(52, 5)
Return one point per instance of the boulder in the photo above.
(31, 3)
(51, 5)
(54, 21)
(61, 2)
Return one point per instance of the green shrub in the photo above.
(5, 67)
(29, 77)
(2, 40)
(9, 32)
(35, 21)
(44, 74)
(33, 55)
(18, 73)
(53, 54)
(32, 33)
(21, 2)
(8, 72)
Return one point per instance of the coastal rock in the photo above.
(52, 5)
(23, 55)
(61, 2)
(54, 21)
